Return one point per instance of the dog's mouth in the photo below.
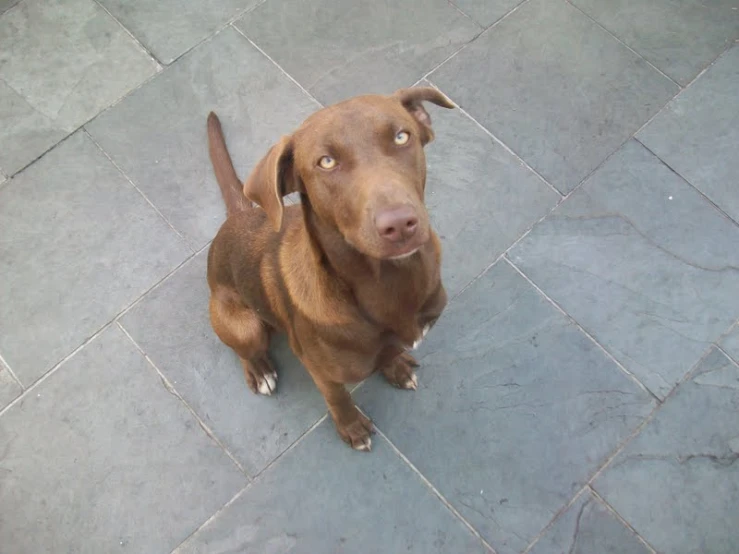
(397, 253)
(405, 250)
(406, 255)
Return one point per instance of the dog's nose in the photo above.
(397, 224)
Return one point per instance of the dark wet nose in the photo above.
(397, 224)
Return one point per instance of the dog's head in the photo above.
(362, 167)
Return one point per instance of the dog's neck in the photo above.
(387, 293)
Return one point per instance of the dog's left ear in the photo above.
(273, 178)
(413, 99)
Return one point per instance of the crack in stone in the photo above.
(576, 532)
(649, 240)
(725, 460)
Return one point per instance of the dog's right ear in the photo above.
(272, 178)
(413, 99)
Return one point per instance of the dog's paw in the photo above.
(261, 377)
(267, 383)
(399, 372)
(357, 434)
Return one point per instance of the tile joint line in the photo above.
(12, 374)
(433, 489)
(174, 392)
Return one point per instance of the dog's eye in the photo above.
(402, 137)
(327, 162)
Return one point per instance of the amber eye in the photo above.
(401, 138)
(327, 162)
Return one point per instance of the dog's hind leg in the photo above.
(241, 328)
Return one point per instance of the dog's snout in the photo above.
(397, 224)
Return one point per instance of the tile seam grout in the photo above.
(174, 392)
(218, 30)
(688, 182)
(483, 30)
(429, 485)
(251, 481)
(133, 37)
(584, 331)
(680, 91)
(6, 365)
(55, 366)
(257, 5)
(728, 356)
(141, 193)
(500, 256)
(161, 282)
(684, 379)
(464, 13)
(649, 120)
(507, 148)
(83, 125)
(213, 516)
(624, 44)
(160, 70)
(619, 449)
(292, 446)
(555, 518)
(580, 184)
(278, 66)
(621, 519)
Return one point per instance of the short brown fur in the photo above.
(352, 275)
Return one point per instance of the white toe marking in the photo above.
(366, 446)
(268, 384)
(413, 383)
(271, 379)
(418, 341)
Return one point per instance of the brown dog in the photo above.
(352, 275)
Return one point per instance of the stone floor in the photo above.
(581, 392)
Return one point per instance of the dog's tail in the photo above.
(228, 181)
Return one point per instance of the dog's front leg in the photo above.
(353, 426)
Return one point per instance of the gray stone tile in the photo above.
(169, 28)
(172, 326)
(325, 497)
(680, 37)
(356, 47)
(61, 62)
(504, 423)
(486, 12)
(162, 146)
(80, 245)
(698, 132)
(588, 527)
(101, 458)
(556, 88)
(480, 197)
(677, 483)
(643, 262)
(9, 388)
(5, 5)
